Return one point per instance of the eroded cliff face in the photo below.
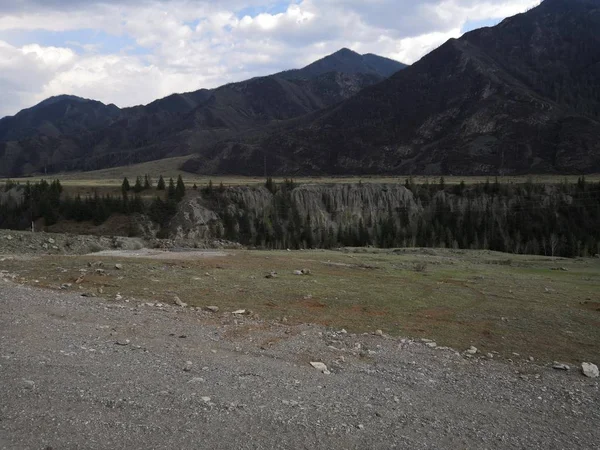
(320, 208)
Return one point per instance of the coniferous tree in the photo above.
(171, 194)
(179, 189)
(147, 182)
(137, 188)
(125, 187)
(160, 186)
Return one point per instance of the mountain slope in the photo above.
(348, 62)
(523, 96)
(54, 116)
(101, 136)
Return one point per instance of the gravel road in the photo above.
(83, 373)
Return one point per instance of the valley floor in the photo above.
(81, 372)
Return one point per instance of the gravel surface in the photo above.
(82, 373)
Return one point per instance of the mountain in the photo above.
(349, 62)
(520, 97)
(54, 116)
(70, 133)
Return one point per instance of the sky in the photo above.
(130, 52)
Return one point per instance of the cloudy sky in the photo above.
(130, 52)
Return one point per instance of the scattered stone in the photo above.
(9, 238)
(321, 367)
(271, 275)
(306, 271)
(239, 312)
(212, 308)
(431, 344)
(123, 342)
(472, 350)
(196, 380)
(590, 370)
(560, 366)
(178, 301)
(531, 359)
(29, 384)
(361, 426)
(51, 241)
(188, 366)
(205, 399)
(490, 355)
(298, 272)
(378, 333)
(118, 296)
(65, 286)
(119, 266)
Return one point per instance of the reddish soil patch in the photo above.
(313, 304)
(590, 306)
(357, 309)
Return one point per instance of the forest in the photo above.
(560, 219)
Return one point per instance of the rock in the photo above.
(178, 301)
(271, 275)
(239, 312)
(45, 246)
(305, 271)
(51, 241)
(298, 272)
(560, 366)
(118, 296)
(188, 366)
(212, 308)
(9, 238)
(29, 384)
(472, 350)
(320, 366)
(123, 342)
(79, 280)
(119, 266)
(361, 426)
(205, 399)
(378, 333)
(590, 370)
(431, 344)
(65, 286)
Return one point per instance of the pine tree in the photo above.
(147, 182)
(137, 188)
(125, 187)
(171, 191)
(161, 184)
(179, 189)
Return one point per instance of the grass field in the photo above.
(534, 306)
(106, 179)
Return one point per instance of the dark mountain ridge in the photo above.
(71, 133)
(520, 97)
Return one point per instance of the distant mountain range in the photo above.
(520, 97)
(71, 133)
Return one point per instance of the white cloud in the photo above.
(183, 45)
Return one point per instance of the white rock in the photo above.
(431, 344)
(560, 366)
(239, 312)
(206, 399)
(590, 370)
(378, 333)
(472, 350)
(178, 301)
(297, 272)
(320, 366)
(212, 308)
(119, 266)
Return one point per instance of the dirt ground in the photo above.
(81, 372)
